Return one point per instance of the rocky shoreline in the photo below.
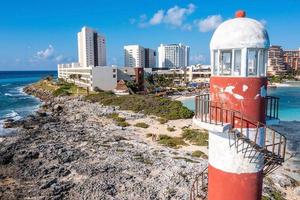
(70, 149)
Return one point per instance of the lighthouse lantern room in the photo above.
(242, 148)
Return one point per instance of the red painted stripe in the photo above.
(228, 186)
(252, 104)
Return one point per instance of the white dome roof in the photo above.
(240, 33)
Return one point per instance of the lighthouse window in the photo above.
(225, 63)
(216, 61)
(252, 62)
(262, 62)
(237, 63)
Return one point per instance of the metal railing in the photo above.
(272, 107)
(273, 149)
(200, 186)
(214, 113)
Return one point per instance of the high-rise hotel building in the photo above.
(138, 56)
(91, 48)
(173, 55)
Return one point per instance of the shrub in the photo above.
(120, 119)
(96, 89)
(185, 159)
(171, 129)
(61, 92)
(173, 142)
(199, 154)
(112, 115)
(195, 136)
(150, 105)
(162, 120)
(141, 125)
(123, 124)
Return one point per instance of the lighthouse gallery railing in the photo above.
(214, 113)
(274, 146)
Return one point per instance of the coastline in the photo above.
(70, 148)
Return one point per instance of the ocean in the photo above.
(14, 103)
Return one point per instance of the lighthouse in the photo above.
(237, 112)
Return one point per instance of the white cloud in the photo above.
(48, 53)
(209, 24)
(187, 27)
(174, 17)
(59, 58)
(198, 58)
(157, 17)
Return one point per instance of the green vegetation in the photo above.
(275, 195)
(173, 142)
(141, 125)
(123, 124)
(162, 120)
(120, 121)
(185, 159)
(171, 129)
(140, 158)
(150, 105)
(195, 136)
(112, 115)
(199, 154)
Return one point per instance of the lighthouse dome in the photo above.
(240, 33)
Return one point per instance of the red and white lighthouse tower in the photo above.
(234, 112)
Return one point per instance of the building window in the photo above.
(114, 70)
(114, 76)
(252, 62)
(226, 61)
(237, 62)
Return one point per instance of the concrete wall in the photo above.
(105, 78)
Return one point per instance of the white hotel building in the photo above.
(138, 56)
(91, 48)
(91, 70)
(173, 55)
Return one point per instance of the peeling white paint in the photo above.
(245, 88)
(237, 96)
(229, 89)
(263, 91)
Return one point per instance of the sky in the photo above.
(37, 35)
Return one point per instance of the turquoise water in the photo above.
(289, 104)
(14, 103)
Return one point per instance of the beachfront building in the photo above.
(173, 55)
(276, 65)
(138, 56)
(134, 56)
(292, 59)
(91, 48)
(236, 113)
(91, 71)
(150, 58)
(102, 77)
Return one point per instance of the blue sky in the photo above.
(36, 35)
